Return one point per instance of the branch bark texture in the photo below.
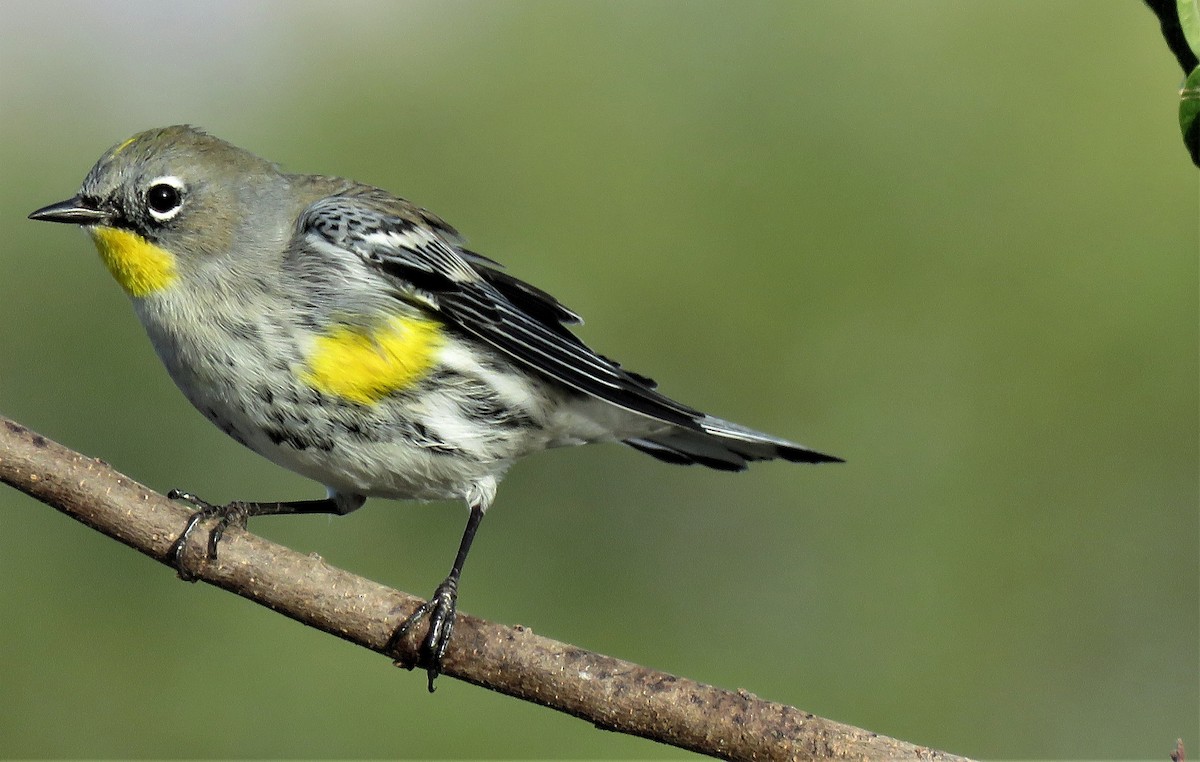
(610, 693)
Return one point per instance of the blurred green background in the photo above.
(955, 243)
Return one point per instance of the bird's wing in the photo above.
(422, 257)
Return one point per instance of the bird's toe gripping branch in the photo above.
(234, 513)
(440, 610)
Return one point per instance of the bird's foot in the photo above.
(441, 610)
(231, 514)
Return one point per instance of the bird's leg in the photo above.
(233, 514)
(440, 608)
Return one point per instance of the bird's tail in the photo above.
(723, 445)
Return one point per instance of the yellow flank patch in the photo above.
(364, 366)
(138, 265)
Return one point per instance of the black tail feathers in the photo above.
(724, 446)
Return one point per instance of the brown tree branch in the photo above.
(612, 694)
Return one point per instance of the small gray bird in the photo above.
(348, 335)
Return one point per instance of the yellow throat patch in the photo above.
(364, 366)
(138, 265)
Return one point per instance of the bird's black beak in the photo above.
(74, 210)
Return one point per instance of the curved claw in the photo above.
(441, 610)
(233, 513)
(175, 553)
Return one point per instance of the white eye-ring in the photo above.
(164, 198)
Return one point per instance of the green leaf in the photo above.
(1189, 22)
(1189, 109)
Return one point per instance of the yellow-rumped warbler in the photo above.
(347, 334)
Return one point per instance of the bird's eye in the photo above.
(164, 198)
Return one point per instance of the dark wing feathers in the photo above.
(424, 258)
(532, 300)
(549, 349)
(418, 250)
